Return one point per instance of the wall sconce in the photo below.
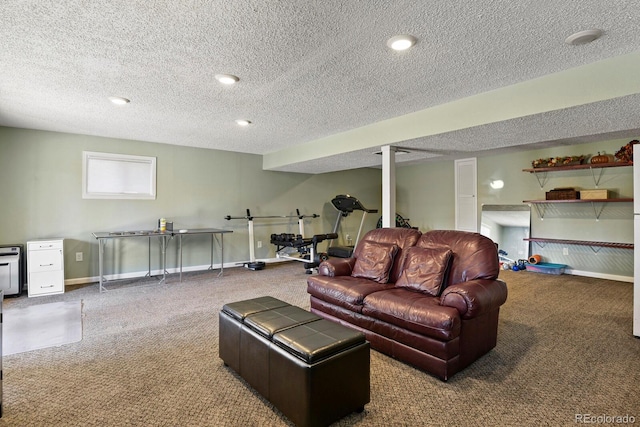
(497, 184)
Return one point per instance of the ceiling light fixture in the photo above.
(397, 151)
(497, 184)
(241, 122)
(118, 100)
(584, 37)
(401, 42)
(227, 79)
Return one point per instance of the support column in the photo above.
(388, 186)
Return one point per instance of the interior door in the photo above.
(466, 185)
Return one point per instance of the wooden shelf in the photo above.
(541, 173)
(575, 167)
(618, 200)
(597, 204)
(581, 243)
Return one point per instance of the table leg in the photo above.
(221, 255)
(211, 264)
(180, 244)
(149, 264)
(168, 240)
(101, 263)
(213, 236)
(163, 246)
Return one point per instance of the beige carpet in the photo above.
(40, 326)
(149, 358)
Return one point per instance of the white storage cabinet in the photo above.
(45, 267)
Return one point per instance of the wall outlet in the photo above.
(78, 256)
(259, 243)
(565, 251)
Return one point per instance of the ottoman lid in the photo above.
(241, 309)
(267, 323)
(317, 340)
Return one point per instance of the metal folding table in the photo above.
(103, 237)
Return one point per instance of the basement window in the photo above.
(118, 176)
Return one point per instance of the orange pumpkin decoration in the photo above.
(600, 158)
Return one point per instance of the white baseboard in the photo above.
(141, 274)
(599, 275)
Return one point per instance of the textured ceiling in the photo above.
(311, 71)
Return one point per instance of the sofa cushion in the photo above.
(425, 269)
(374, 261)
(414, 311)
(474, 255)
(403, 237)
(344, 291)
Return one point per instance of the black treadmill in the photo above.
(346, 205)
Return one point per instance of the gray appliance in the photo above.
(11, 269)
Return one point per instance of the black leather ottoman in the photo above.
(313, 370)
(231, 320)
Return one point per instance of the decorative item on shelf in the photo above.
(597, 194)
(558, 161)
(563, 194)
(625, 154)
(600, 158)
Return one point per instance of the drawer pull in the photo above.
(46, 265)
(48, 286)
(3, 264)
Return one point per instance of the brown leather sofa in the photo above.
(429, 299)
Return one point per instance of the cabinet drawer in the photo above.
(44, 245)
(47, 282)
(50, 260)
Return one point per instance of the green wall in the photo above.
(426, 195)
(196, 188)
(42, 198)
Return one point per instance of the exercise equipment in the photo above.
(346, 205)
(306, 248)
(252, 264)
(506, 262)
(400, 222)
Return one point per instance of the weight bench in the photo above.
(313, 370)
(306, 247)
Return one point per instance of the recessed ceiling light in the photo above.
(118, 100)
(242, 122)
(584, 37)
(401, 42)
(227, 79)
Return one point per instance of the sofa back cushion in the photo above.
(375, 261)
(474, 255)
(402, 237)
(425, 269)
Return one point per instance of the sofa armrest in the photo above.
(475, 297)
(336, 267)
